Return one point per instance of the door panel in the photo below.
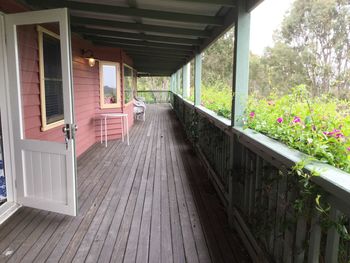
(39, 61)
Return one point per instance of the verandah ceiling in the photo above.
(160, 35)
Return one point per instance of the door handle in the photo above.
(69, 131)
(65, 129)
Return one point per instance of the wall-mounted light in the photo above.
(89, 55)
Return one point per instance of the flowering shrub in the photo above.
(319, 127)
(217, 99)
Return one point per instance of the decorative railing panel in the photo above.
(274, 204)
(154, 96)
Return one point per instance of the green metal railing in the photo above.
(154, 96)
(253, 176)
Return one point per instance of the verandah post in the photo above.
(240, 64)
(197, 79)
(186, 71)
(178, 82)
(239, 91)
(175, 82)
(171, 82)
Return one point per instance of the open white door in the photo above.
(40, 82)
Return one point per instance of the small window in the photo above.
(109, 85)
(51, 85)
(128, 83)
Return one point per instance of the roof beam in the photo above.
(145, 49)
(138, 43)
(217, 33)
(130, 11)
(156, 55)
(156, 67)
(143, 71)
(143, 74)
(149, 59)
(140, 27)
(163, 65)
(137, 36)
(230, 3)
(146, 69)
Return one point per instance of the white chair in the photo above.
(139, 109)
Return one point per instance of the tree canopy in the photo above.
(312, 47)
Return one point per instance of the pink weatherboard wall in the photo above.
(85, 86)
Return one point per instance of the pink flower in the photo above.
(348, 149)
(339, 135)
(296, 119)
(335, 133)
(280, 120)
(252, 114)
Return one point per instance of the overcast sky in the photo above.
(265, 19)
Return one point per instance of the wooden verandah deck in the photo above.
(147, 202)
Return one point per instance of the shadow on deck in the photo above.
(147, 202)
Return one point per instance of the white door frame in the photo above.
(8, 208)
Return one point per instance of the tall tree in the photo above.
(153, 83)
(218, 61)
(319, 33)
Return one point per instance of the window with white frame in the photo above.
(109, 85)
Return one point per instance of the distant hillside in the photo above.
(109, 90)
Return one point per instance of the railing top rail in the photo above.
(153, 90)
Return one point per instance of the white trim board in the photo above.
(5, 117)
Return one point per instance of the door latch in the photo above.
(69, 131)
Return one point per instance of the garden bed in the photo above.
(318, 127)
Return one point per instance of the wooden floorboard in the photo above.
(147, 202)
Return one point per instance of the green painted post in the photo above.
(186, 71)
(172, 83)
(197, 79)
(239, 94)
(178, 82)
(240, 64)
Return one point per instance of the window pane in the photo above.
(53, 79)
(54, 100)
(52, 57)
(128, 84)
(109, 84)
